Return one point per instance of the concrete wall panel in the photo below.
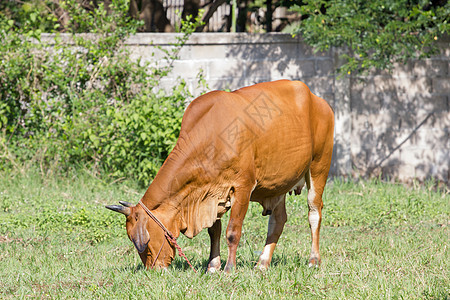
(391, 123)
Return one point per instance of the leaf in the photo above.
(33, 17)
(94, 139)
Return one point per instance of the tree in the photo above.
(378, 33)
(152, 13)
(190, 8)
(60, 15)
(212, 9)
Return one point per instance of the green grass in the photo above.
(378, 241)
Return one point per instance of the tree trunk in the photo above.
(269, 16)
(152, 13)
(191, 8)
(212, 9)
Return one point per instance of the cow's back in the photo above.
(263, 129)
(281, 111)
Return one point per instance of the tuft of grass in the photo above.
(378, 241)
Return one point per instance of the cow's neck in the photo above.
(171, 189)
(178, 193)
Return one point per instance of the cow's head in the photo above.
(146, 235)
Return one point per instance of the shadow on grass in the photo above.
(132, 268)
(198, 264)
(250, 264)
(179, 264)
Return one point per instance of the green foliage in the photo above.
(99, 18)
(140, 136)
(32, 16)
(37, 16)
(71, 100)
(378, 33)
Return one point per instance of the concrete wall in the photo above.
(396, 125)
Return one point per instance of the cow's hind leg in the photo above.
(316, 184)
(214, 256)
(275, 228)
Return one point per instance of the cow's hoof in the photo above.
(229, 268)
(262, 268)
(262, 265)
(212, 270)
(314, 262)
(214, 265)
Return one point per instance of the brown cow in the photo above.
(253, 144)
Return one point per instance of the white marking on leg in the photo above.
(313, 216)
(314, 219)
(311, 195)
(265, 256)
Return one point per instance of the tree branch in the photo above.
(215, 5)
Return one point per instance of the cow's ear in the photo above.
(139, 235)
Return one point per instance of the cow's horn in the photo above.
(127, 204)
(120, 209)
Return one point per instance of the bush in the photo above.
(84, 102)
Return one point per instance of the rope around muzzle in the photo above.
(169, 236)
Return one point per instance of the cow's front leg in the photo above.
(214, 256)
(237, 214)
(275, 228)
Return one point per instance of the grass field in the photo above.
(378, 241)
